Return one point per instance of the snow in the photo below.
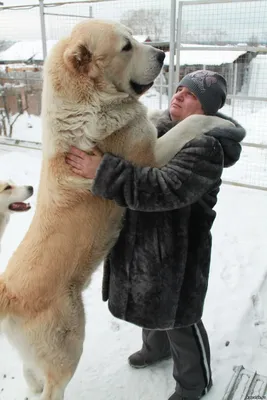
(234, 309)
(25, 50)
(257, 69)
(141, 38)
(21, 128)
(205, 57)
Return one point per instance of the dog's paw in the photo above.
(211, 122)
(204, 123)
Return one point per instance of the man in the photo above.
(156, 276)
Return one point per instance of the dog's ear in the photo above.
(78, 58)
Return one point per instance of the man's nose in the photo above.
(179, 95)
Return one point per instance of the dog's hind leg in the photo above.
(35, 385)
(54, 390)
(62, 345)
(59, 372)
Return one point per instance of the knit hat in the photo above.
(209, 87)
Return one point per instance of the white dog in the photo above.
(92, 82)
(11, 200)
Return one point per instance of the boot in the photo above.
(141, 359)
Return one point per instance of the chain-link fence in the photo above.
(229, 37)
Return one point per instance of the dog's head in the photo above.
(103, 57)
(12, 197)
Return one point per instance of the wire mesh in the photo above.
(231, 38)
(224, 22)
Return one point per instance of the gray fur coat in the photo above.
(156, 275)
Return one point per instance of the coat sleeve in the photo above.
(185, 179)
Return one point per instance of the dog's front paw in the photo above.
(212, 122)
(204, 123)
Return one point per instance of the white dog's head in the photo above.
(102, 57)
(12, 197)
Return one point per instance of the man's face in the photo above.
(183, 104)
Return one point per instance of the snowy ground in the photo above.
(234, 307)
(236, 297)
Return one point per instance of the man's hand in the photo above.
(84, 164)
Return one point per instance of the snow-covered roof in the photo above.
(141, 38)
(205, 57)
(26, 50)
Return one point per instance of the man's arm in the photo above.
(189, 175)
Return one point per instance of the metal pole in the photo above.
(178, 42)
(160, 90)
(43, 32)
(234, 89)
(172, 49)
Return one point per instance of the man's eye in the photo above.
(127, 47)
(192, 94)
(8, 187)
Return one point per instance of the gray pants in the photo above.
(190, 352)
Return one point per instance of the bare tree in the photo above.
(146, 22)
(253, 40)
(3, 130)
(6, 121)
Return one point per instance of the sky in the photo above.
(232, 21)
(28, 25)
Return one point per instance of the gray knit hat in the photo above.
(209, 87)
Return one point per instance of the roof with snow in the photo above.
(142, 38)
(26, 50)
(205, 57)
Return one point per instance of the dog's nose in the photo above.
(161, 56)
(30, 189)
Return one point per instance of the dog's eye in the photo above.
(127, 47)
(8, 187)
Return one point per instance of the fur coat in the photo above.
(156, 275)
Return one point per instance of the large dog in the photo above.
(92, 81)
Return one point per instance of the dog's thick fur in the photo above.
(11, 200)
(92, 81)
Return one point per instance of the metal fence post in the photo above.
(43, 31)
(178, 42)
(172, 49)
(234, 90)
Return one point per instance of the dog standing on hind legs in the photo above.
(92, 83)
